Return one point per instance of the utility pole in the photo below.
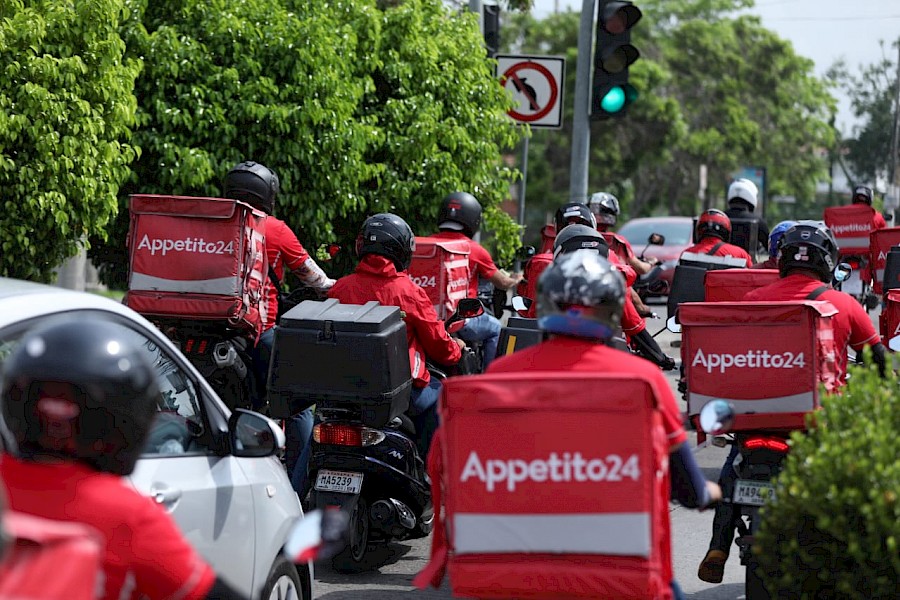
(581, 123)
(895, 134)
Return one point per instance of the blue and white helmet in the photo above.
(582, 295)
(776, 234)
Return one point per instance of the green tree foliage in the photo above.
(833, 528)
(66, 108)
(407, 111)
(872, 91)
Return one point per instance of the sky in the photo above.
(823, 30)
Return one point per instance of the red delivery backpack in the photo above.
(880, 243)
(889, 319)
(527, 288)
(48, 559)
(548, 236)
(549, 490)
(441, 268)
(768, 359)
(197, 258)
(730, 285)
(851, 225)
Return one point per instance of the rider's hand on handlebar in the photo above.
(715, 492)
(460, 343)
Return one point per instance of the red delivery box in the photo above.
(548, 237)
(441, 268)
(767, 358)
(889, 320)
(730, 285)
(851, 225)
(880, 243)
(554, 485)
(197, 258)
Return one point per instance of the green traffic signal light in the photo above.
(614, 100)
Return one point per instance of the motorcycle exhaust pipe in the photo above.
(392, 516)
(225, 356)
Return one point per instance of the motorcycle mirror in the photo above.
(519, 304)
(470, 307)
(318, 535)
(842, 272)
(717, 417)
(656, 239)
(525, 252)
(673, 325)
(894, 343)
(659, 287)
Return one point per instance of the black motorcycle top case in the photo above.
(338, 355)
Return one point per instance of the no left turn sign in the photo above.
(536, 84)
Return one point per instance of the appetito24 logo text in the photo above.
(751, 359)
(194, 245)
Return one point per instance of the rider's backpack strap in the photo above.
(814, 295)
(712, 251)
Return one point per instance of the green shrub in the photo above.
(833, 529)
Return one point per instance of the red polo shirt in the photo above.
(852, 326)
(726, 249)
(282, 249)
(146, 553)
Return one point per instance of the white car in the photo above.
(224, 485)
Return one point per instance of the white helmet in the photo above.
(743, 189)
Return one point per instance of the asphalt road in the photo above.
(690, 536)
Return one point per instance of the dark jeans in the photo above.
(725, 516)
(423, 412)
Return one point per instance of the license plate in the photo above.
(339, 481)
(853, 284)
(754, 493)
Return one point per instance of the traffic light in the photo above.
(491, 26)
(611, 93)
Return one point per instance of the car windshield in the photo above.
(677, 233)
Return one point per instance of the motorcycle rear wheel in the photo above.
(352, 559)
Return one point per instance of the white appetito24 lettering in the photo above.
(851, 227)
(752, 359)
(195, 245)
(571, 467)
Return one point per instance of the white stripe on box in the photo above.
(620, 534)
(783, 404)
(223, 286)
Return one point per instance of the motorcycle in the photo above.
(655, 282)
(376, 475)
(760, 459)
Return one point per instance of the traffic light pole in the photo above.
(581, 122)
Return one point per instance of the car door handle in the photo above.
(165, 495)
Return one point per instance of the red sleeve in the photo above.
(481, 258)
(163, 563)
(668, 407)
(878, 221)
(429, 330)
(862, 332)
(632, 323)
(287, 248)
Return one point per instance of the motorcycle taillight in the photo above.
(343, 434)
(766, 443)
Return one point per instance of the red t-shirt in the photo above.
(577, 355)
(726, 249)
(480, 262)
(376, 278)
(852, 326)
(282, 248)
(146, 553)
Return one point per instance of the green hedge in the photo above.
(833, 529)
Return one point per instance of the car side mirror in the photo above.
(656, 239)
(318, 535)
(521, 304)
(894, 343)
(252, 435)
(525, 252)
(673, 325)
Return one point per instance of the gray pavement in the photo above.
(690, 533)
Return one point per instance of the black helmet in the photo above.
(574, 212)
(389, 236)
(580, 294)
(862, 195)
(80, 389)
(579, 237)
(460, 211)
(253, 183)
(809, 245)
(605, 208)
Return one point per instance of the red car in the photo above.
(678, 233)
